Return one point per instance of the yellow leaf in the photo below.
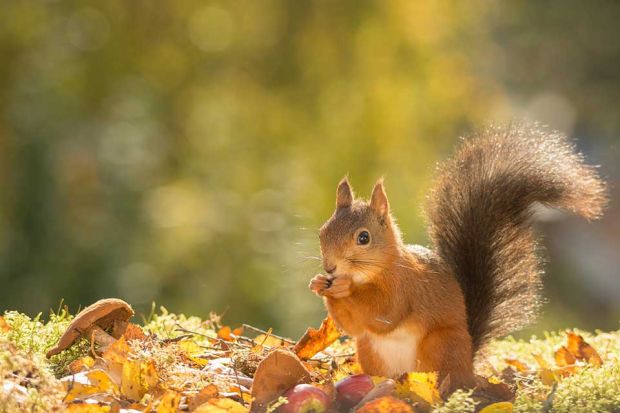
(169, 402)
(81, 364)
(86, 408)
(221, 406)
(82, 385)
(419, 387)
(190, 350)
(501, 407)
(268, 340)
(137, 378)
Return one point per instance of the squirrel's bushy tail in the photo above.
(479, 213)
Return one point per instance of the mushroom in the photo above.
(92, 322)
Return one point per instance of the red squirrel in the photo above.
(415, 309)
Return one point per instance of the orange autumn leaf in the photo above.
(4, 326)
(579, 348)
(518, 365)
(206, 393)
(314, 340)
(564, 358)
(225, 333)
(238, 331)
(134, 332)
(386, 404)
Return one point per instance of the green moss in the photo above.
(459, 402)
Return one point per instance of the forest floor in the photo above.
(172, 362)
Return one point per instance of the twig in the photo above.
(258, 330)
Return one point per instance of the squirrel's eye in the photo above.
(363, 238)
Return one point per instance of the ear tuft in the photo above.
(378, 201)
(344, 194)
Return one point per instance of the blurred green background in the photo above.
(185, 152)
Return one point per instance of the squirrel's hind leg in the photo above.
(448, 351)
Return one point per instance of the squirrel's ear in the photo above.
(378, 200)
(344, 194)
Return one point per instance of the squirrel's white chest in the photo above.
(397, 350)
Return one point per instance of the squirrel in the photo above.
(415, 309)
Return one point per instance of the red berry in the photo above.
(351, 390)
(305, 398)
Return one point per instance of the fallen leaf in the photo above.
(208, 392)
(518, 365)
(501, 407)
(4, 326)
(386, 404)
(86, 408)
(81, 364)
(137, 378)
(278, 372)
(267, 340)
(491, 390)
(419, 387)
(169, 402)
(190, 350)
(84, 384)
(563, 357)
(314, 340)
(221, 406)
(225, 333)
(579, 348)
(134, 332)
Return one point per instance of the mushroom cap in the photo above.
(102, 313)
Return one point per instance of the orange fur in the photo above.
(405, 313)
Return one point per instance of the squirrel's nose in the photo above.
(329, 270)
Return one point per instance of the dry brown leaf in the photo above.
(169, 402)
(134, 332)
(386, 404)
(492, 390)
(221, 406)
(579, 348)
(278, 372)
(206, 393)
(314, 340)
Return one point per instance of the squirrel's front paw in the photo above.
(319, 284)
(340, 288)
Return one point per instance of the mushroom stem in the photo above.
(97, 335)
